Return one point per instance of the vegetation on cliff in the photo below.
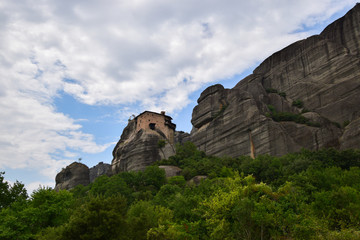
(305, 195)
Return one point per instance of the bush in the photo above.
(282, 94)
(161, 143)
(100, 218)
(271, 90)
(298, 103)
(271, 108)
(177, 180)
(291, 117)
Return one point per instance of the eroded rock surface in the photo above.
(321, 72)
(71, 176)
(99, 170)
(171, 171)
(137, 149)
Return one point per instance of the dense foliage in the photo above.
(290, 117)
(306, 195)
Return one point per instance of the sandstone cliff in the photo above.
(316, 80)
(99, 170)
(138, 148)
(71, 176)
(78, 173)
(305, 96)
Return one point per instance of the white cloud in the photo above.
(120, 52)
(152, 54)
(36, 185)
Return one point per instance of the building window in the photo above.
(152, 126)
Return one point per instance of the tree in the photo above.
(100, 218)
(143, 216)
(24, 219)
(10, 194)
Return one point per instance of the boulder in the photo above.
(351, 136)
(171, 171)
(71, 176)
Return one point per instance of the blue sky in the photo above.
(73, 72)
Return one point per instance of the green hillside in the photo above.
(306, 195)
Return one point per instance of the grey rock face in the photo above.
(351, 136)
(138, 149)
(171, 171)
(323, 72)
(78, 173)
(181, 137)
(71, 176)
(98, 170)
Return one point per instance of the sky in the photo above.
(73, 72)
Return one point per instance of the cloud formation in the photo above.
(150, 53)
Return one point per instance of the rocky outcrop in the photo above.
(181, 137)
(171, 171)
(99, 170)
(71, 176)
(305, 96)
(321, 74)
(137, 149)
(351, 136)
(78, 173)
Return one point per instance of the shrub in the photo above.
(345, 123)
(161, 143)
(271, 90)
(298, 103)
(271, 108)
(291, 117)
(305, 110)
(282, 94)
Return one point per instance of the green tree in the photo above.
(46, 208)
(109, 186)
(142, 216)
(10, 194)
(100, 218)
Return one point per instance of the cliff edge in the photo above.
(305, 96)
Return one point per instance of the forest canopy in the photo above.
(305, 195)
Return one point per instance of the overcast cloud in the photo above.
(150, 53)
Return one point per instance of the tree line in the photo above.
(305, 195)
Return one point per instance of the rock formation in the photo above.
(78, 173)
(71, 176)
(171, 171)
(147, 138)
(316, 79)
(305, 96)
(99, 170)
